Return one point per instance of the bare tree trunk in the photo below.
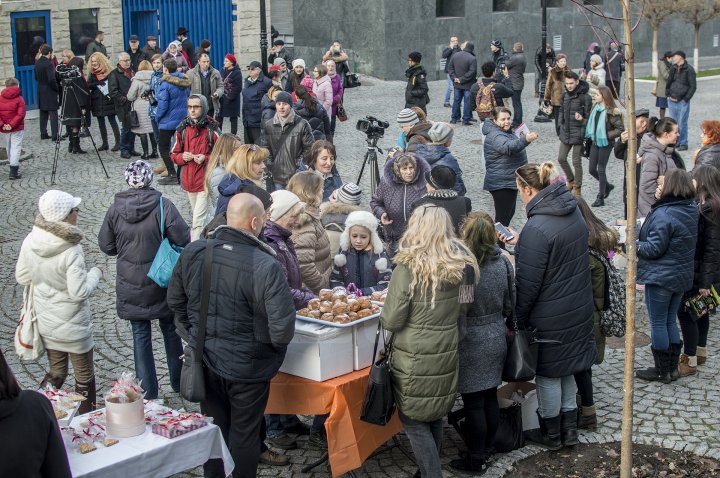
(628, 379)
(696, 51)
(655, 51)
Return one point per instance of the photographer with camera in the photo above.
(76, 100)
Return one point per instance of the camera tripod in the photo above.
(68, 85)
(372, 159)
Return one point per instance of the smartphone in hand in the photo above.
(503, 231)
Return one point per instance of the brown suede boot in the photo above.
(160, 170)
(701, 355)
(88, 391)
(687, 365)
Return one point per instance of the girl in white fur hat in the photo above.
(362, 261)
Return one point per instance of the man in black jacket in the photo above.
(136, 53)
(574, 113)
(463, 70)
(447, 53)
(501, 89)
(119, 81)
(416, 91)
(440, 192)
(187, 45)
(681, 86)
(249, 325)
(516, 65)
(278, 51)
(47, 91)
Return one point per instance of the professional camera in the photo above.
(150, 96)
(372, 126)
(67, 72)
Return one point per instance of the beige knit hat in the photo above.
(55, 205)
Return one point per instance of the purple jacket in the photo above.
(278, 238)
(337, 89)
(396, 198)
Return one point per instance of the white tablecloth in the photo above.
(150, 455)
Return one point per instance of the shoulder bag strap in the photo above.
(162, 219)
(204, 300)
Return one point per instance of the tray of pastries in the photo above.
(337, 308)
(378, 297)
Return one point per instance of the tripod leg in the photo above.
(362, 168)
(92, 140)
(374, 171)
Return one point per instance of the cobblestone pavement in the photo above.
(681, 415)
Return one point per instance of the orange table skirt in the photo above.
(350, 440)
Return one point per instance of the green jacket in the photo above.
(597, 277)
(424, 357)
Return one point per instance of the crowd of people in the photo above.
(274, 207)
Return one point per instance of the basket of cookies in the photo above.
(337, 308)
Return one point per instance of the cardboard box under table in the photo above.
(350, 440)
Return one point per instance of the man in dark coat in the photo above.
(151, 47)
(516, 65)
(255, 87)
(502, 87)
(447, 53)
(680, 88)
(498, 56)
(96, 46)
(574, 113)
(130, 231)
(416, 91)
(463, 70)
(136, 53)
(119, 81)
(47, 91)
(278, 51)
(249, 325)
(187, 45)
(614, 66)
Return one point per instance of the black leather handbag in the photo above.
(522, 353)
(192, 376)
(379, 403)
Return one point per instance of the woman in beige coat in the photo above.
(311, 241)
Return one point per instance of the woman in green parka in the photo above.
(601, 239)
(434, 276)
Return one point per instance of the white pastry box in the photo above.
(319, 352)
(363, 343)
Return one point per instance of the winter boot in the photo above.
(55, 382)
(104, 146)
(587, 418)
(701, 355)
(608, 188)
(87, 390)
(577, 190)
(14, 173)
(600, 201)
(154, 153)
(687, 365)
(569, 428)
(570, 185)
(661, 371)
(548, 435)
(75, 141)
(116, 134)
(675, 350)
(471, 462)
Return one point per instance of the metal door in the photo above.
(29, 31)
(144, 23)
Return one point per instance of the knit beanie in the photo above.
(597, 59)
(205, 43)
(138, 174)
(441, 133)
(407, 117)
(284, 97)
(232, 58)
(55, 205)
(258, 192)
(349, 193)
(298, 61)
(279, 61)
(282, 202)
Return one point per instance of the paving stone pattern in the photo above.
(680, 416)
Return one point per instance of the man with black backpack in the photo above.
(574, 112)
(487, 92)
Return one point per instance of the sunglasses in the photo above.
(428, 206)
(517, 175)
(75, 209)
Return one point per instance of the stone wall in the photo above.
(246, 32)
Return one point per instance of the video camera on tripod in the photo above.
(372, 127)
(67, 73)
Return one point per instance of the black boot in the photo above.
(661, 371)
(116, 134)
(568, 428)
(600, 201)
(75, 143)
(14, 174)
(548, 435)
(675, 350)
(87, 390)
(470, 462)
(609, 187)
(103, 136)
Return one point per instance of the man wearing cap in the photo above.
(447, 53)
(641, 125)
(440, 183)
(187, 45)
(255, 87)
(287, 136)
(151, 47)
(498, 56)
(416, 90)
(463, 70)
(96, 46)
(136, 53)
(207, 81)
(249, 326)
(681, 86)
(284, 72)
(278, 51)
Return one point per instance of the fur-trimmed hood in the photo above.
(309, 215)
(48, 238)
(178, 79)
(333, 214)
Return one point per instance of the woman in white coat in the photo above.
(52, 262)
(137, 94)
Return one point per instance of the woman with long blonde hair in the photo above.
(244, 167)
(102, 105)
(215, 170)
(434, 276)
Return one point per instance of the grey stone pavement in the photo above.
(680, 416)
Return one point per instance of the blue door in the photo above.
(144, 23)
(29, 31)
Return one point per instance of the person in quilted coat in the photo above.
(230, 100)
(12, 123)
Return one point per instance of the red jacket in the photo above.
(12, 109)
(197, 141)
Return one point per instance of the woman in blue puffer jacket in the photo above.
(504, 154)
(171, 109)
(438, 153)
(666, 251)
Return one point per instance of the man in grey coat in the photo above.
(462, 68)
(207, 81)
(516, 65)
